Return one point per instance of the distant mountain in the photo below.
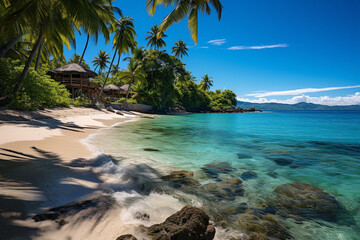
(297, 106)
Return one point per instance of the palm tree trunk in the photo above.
(8, 46)
(127, 94)
(28, 63)
(87, 42)
(38, 58)
(107, 75)
(118, 62)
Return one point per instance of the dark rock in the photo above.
(120, 113)
(227, 189)
(214, 169)
(307, 201)
(94, 206)
(259, 225)
(180, 178)
(110, 109)
(248, 175)
(126, 237)
(190, 223)
(282, 161)
(142, 216)
(151, 150)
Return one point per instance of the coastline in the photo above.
(37, 155)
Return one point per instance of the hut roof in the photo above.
(111, 87)
(124, 88)
(74, 68)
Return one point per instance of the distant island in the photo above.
(297, 106)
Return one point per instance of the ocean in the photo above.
(265, 151)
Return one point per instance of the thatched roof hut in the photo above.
(124, 88)
(111, 87)
(76, 78)
(74, 68)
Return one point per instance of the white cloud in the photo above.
(217, 42)
(204, 47)
(297, 91)
(283, 45)
(352, 99)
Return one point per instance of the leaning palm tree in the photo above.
(106, 13)
(101, 61)
(124, 40)
(206, 83)
(132, 75)
(184, 8)
(180, 49)
(155, 38)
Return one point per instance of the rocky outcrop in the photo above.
(190, 223)
(126, 237)
(307, 201)
(181, 178)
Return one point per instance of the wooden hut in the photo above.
(76, 78)
(112, 90)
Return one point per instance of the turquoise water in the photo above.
(318, 148)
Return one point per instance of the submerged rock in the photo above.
(227, 189)
(307, 201)
(181, 178)
(151, 150)
(214, 169)
(190, 223)
(259, 225)
(248, 175)
(282, 161)
(126, 237)
(243, 156)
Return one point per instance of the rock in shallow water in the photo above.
(259, 225)
(190, 223)
(248, 175)
(214, 169)
(227, 189)
(307, 201)
(181, 178)
(151, 150)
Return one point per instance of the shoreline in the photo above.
(38, 160)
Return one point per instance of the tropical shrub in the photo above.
(222, 99)
(80, 101)
(191, 96)
(37, 90)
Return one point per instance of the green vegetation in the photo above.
(35, 32)
(38, 89)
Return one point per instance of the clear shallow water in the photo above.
(320, 148)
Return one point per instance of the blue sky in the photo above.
(272, 46)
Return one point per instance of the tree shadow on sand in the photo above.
(32, 182)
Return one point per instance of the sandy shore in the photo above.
(37, 150)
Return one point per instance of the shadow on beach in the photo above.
(32, 182)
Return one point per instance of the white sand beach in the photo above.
(36, 152)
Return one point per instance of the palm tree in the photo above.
(132, 75)
(50, 22)
(101, 61)
(180, 49)
(154, 39)
(124, 40)
(104, 9)
(206, 83)
(184, 8)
